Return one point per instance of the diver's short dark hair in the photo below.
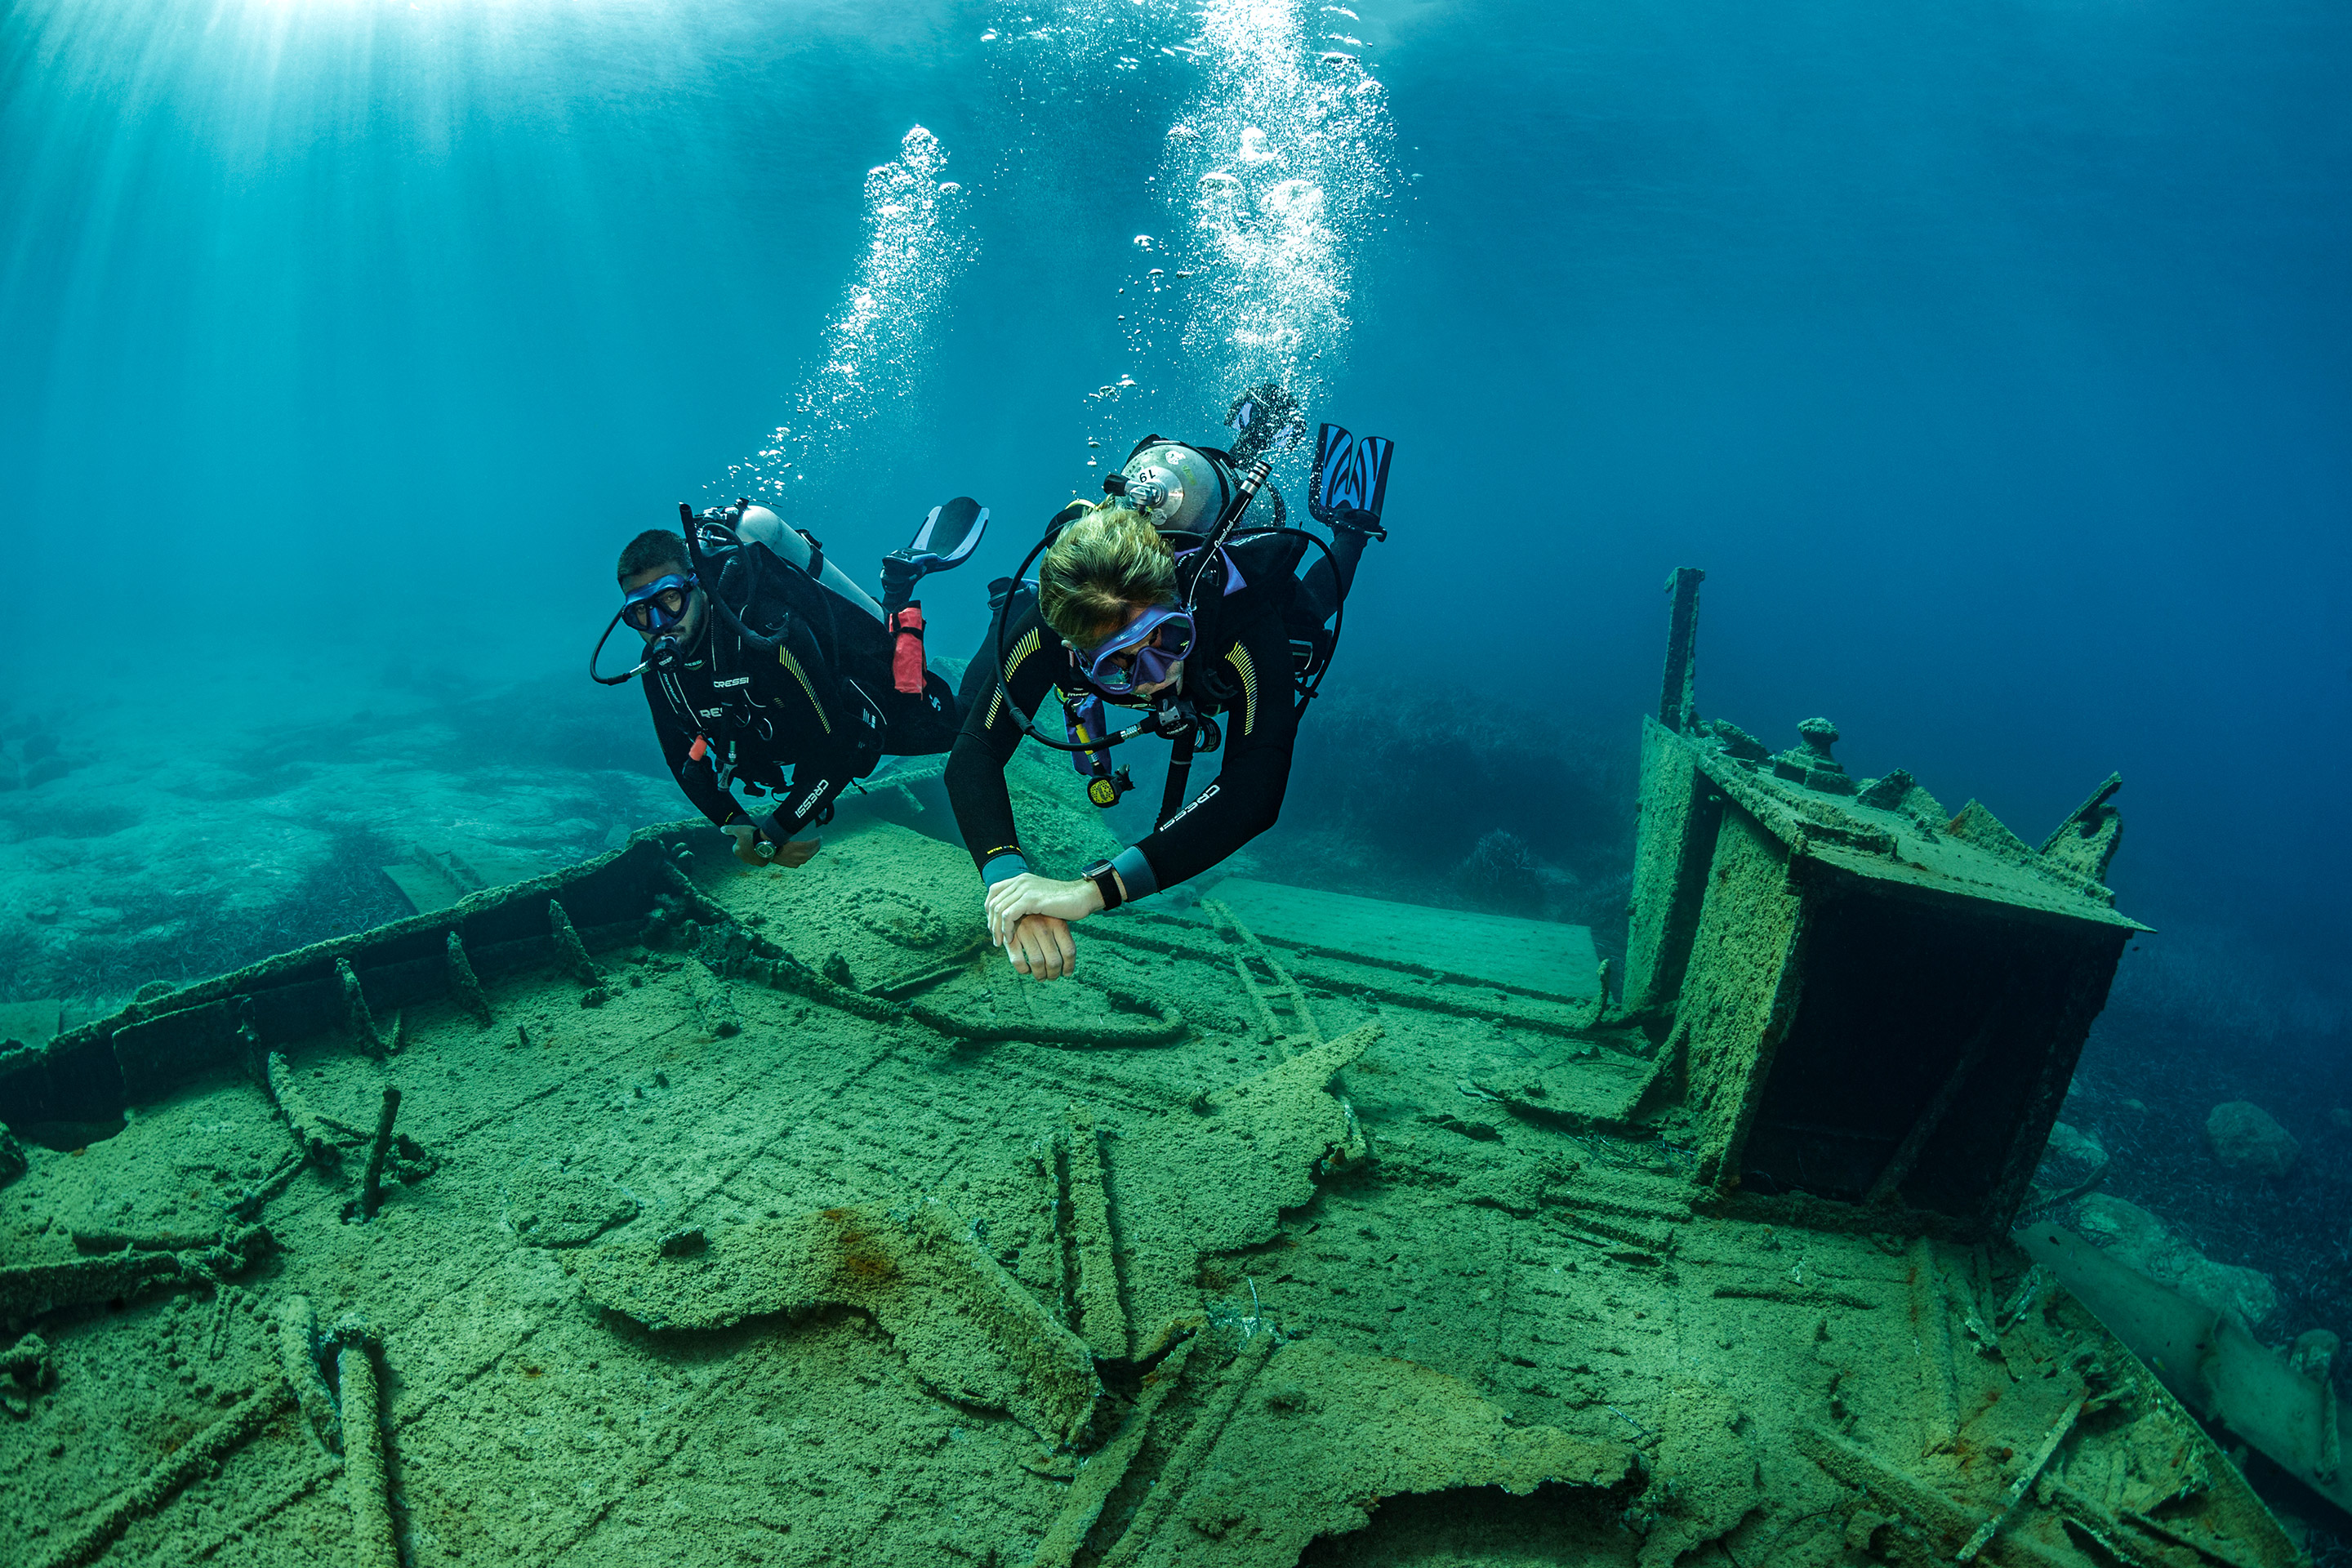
(654, 547)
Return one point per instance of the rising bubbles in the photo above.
(918, 243)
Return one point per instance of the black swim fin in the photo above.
(948, 537)
(950, 534)
(1262, 419)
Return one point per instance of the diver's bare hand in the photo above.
(1040, 947)
(758, 851)
(1029, 894)
(794, 853)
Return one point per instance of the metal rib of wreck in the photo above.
(734, 1217)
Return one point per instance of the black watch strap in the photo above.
(1106, 880)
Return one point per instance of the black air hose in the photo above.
(716, 594)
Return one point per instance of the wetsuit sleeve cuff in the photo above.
(1135, 873)
(1003, 867)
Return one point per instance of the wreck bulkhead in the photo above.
(1876, 1002)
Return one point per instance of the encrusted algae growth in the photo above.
(910, 937)
(1669, 857)
(375, 1539)
(1092, 1292)
(1790, 922)
(1217, 1179)
(192, 1460)
(29, 1289)
(1709, 1458)
(892, 904)
(1478, 1259)
(895, 905)
(962, 1324)
(1142, 1214)
(297, 1326)
(1298, 1442)
(2286, 1406)
(550, 1201)
(1741, 989)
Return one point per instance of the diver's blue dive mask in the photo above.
(1144, 652)
(660, 606)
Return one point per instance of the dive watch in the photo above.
(1104, 877)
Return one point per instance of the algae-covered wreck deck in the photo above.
(959, 1279)
(731, 1217)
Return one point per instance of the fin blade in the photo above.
(1372, 454)
(1344, 492)
(950, 534)
(1334, 448)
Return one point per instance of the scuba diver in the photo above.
(1160, 597)
(760, 655)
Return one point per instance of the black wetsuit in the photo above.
(822, 704)
(1240, 670)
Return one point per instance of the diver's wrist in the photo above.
(1101, 887)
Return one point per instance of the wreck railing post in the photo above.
(1677, 817)
(1678, 698)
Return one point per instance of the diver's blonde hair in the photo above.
(1105, 563)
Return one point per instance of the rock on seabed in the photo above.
(2133, 1235)
(2245, 1136)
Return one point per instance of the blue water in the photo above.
(1994, 359)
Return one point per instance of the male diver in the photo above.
(760, 655)
(1158, 597)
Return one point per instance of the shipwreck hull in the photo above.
(97, 1070)
(732, 1216)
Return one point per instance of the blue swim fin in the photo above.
(1372, 472)
(1350, 482)
(1333, 447)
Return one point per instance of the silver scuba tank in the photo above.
(760, 526)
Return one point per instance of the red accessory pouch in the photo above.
(700, 749)
(906, 650)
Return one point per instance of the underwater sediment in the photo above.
(729, 1217)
